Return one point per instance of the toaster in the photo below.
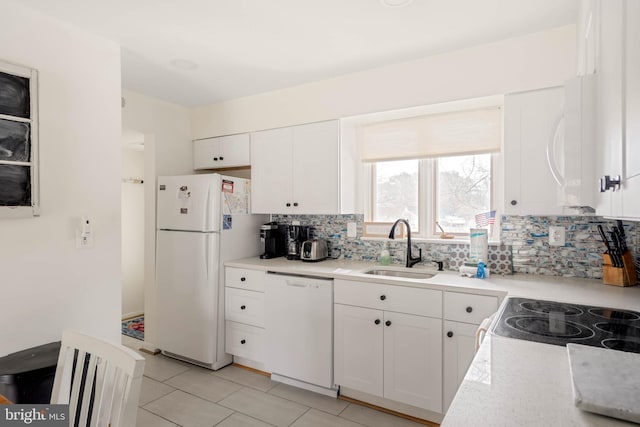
(314, 250)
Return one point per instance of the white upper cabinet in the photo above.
(221, 152)
(530, 123)
(296, 170)
(631, 153)
(618, 108)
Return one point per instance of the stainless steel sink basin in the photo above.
(400, 273)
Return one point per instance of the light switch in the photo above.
(352, 230)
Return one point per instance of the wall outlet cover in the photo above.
(556, 236)
(352, 230)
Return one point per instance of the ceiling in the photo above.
(245, 47)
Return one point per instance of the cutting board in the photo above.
(606, 381)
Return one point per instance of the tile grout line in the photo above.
(301, 415)
(159, 416)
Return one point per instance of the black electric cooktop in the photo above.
(561, 323)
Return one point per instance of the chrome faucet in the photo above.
(410, 259)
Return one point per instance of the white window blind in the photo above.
(436, 135)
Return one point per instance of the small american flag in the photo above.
(485, 218)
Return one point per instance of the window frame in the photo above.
(33, 164)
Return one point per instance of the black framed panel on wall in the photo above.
(19, 184)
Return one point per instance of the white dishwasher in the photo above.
(299, 331)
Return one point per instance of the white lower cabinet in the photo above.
(358, 348)
(462, 314)
(396, 355)
(244, 315)
(458, 351)
(413, 360)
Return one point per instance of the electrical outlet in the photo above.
(352, 230)
(556, 236)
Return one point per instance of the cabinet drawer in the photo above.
(252, 280)
(401, 299)
(245, 341)
(468, 308)
(244, 306)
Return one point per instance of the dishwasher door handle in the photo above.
(297, 285)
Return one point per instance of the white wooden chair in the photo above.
(99, 380)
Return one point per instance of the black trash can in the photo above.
(27, 376)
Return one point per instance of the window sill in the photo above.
(455, 241)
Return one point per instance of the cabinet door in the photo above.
(530, 120)
(413, 360)
(459, 349)
(358, 348)
(204, 153)
(221, 152)
(631, 194)
(271, 171)
(234, 151)
(316, 171)
(609, 132)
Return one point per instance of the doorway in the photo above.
(133, 233)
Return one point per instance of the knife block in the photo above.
(619, 276)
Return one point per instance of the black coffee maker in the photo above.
(273, 240)
(297, 234)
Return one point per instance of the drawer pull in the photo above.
(388, 323)
(221, 158)
(242, 279)
(377, 321)
(243, 341)
(449, 334)
(469, 309)
(382, 298)
(242, 307)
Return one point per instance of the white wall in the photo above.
(132, 232)
(524, 63)
(47, 284)
(167, 151)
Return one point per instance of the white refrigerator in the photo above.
(202, 221)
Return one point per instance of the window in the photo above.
(18, 141)
(463, 190)
(433, 170)
(396, 192)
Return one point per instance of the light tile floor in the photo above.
(179, 394)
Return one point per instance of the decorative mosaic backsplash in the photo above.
(528, 238)
(524, 249)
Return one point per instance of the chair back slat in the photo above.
(76, 385)
(86, 399)
(102, 385)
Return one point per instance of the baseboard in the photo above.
(250, 364)
(403, 410)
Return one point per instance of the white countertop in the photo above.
(510, 382)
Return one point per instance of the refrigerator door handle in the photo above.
(207, 256)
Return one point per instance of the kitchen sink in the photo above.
(400, 273)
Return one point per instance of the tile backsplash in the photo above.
(524, 249)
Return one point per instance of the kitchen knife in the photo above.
(621, 228)
(621, 234)
(619, 246)
(606, 243)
